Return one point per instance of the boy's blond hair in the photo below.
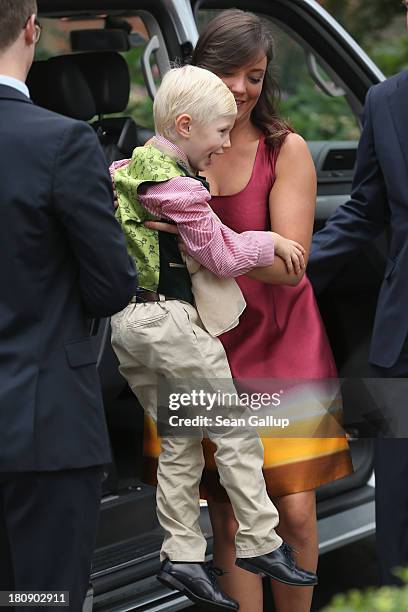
(194, 91)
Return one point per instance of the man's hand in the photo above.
(115, 166)
(292, 253)
(161, 226)
(115, 198)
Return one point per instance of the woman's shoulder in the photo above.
(293, 143)
(293, 148)
(294, 158)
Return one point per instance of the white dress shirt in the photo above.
(16, 83)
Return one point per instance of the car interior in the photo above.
(102, 66)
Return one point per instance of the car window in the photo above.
(312, 113)
(55, 40)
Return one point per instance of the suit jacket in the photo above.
(62, 260)
(379, 197)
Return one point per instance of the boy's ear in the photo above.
(183, 125)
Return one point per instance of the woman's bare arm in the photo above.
(292, 203)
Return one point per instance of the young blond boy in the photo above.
(161, 337)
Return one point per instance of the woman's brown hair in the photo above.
(233, 39)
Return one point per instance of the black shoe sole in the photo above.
(173, 583)
(255, 570)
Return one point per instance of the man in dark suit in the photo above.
(63, 261)
(379, 199)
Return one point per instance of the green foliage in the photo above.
(41, 54)
(379, 26)
(141, 109)
(318, 117)
(132, 58)
(312, 113)
(385, 599)
(390, 54)
(140, 105)
(363, 19)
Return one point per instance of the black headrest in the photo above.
(107, 75)
(59, 85)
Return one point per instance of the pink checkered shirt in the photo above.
(185, 201)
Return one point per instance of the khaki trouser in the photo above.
(166, 340)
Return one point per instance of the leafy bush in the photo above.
(379, 26)
(391, 55)
(140, 106)
(318, 117)
(384, 599)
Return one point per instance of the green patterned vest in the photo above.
(156, 255)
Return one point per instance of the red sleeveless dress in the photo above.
(279, 335)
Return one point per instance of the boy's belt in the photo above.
(144, 295)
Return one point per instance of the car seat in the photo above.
(86, 85)
(107, 75)
(58, 85)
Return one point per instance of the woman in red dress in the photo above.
(265, 181)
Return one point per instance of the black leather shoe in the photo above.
(280, 565)
(198, 582)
